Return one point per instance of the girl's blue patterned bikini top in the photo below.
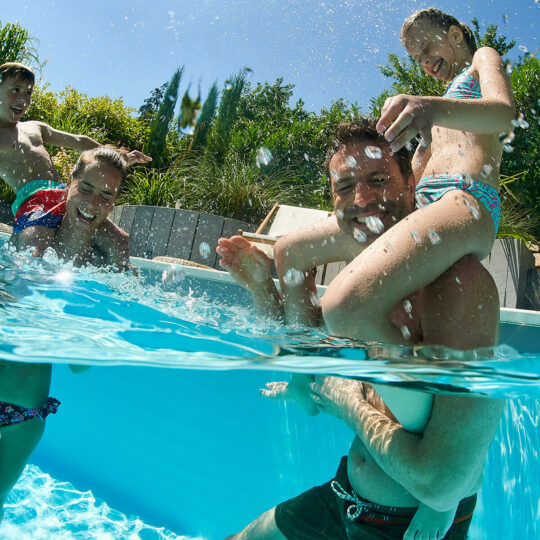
(464, 86)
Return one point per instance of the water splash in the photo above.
(204, 250)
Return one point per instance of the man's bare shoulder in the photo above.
(461, 308)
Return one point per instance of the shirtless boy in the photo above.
(24, 387)
(25, 163)
(391, 469)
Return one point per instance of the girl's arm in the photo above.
(407, 116)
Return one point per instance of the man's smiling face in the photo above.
(367, 188)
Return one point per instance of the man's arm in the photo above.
(441, 466)
(55, 137)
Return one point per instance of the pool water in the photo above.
(197, 450)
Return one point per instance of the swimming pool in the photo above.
(197, 450)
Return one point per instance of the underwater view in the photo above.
(269, 270)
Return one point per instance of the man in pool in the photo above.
(390, 470)
(24, 387)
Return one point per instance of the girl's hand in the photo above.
(407, 117)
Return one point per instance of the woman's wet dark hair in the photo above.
(441, 20)
(360, 130)
(103, 154)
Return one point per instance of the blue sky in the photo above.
(327, 48)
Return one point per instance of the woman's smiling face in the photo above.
(91, 196)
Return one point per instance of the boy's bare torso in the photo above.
(23, 156)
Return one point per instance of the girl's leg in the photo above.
(406, 258)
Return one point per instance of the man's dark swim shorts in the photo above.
(319, 514)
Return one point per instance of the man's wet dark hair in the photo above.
(441, 20)
(113, 157)
(18, 71)
(360, 130)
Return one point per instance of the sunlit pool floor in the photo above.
(41, 508)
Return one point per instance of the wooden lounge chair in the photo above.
(283, 219)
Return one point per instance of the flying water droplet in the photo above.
(359, 235)
(204, 250)
(373, 152)
(306, 157)
(405, 332)
(508, 68)
(409, 146)
(334, 174)
(293, 277)
(421, 200)
(416, 237)
(486, 170)
(475, 213)
(314, 298)
(523, 48)
(434, 237)
(407, 306)
(507, 138)
(374, 224)
(264, 157)
(351, 162)
(340, 214)
(508, 148)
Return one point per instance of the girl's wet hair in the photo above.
(441, 20)
(361, 130)
(16, 70)
(108, 155)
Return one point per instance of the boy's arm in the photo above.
(55, 137)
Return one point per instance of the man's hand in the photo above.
(338, 396)
(297, 390)
(136, 157)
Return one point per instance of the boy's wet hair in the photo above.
(361, 130)
(16, 70)
(108, 155)
(441, 20)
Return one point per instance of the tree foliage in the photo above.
(161, 124)
(17, 45)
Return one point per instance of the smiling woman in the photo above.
(84, 233)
